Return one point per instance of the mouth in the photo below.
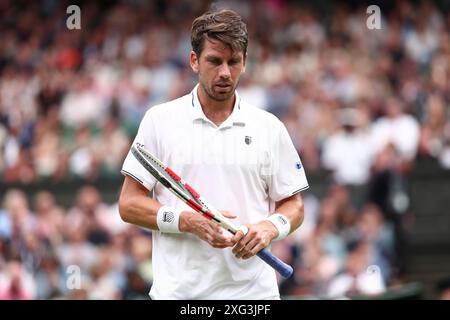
(223, 86)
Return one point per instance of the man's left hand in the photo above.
(258, 237)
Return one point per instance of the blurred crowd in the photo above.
(84, 252)
(363, 105)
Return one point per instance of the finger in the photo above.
(219, 238)
(222, 244)
(249, 250)
(240, 246)
(252, 248)
(237, 237)
(246, 249)
(228, 214)
(242, 231)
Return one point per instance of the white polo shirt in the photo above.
(244, 166)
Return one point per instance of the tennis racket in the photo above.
(192, 198)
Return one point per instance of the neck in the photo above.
(215, 110)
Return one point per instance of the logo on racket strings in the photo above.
(248, 139)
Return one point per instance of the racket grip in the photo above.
(283, 268)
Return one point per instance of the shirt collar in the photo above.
(235, 118)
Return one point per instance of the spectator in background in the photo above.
(50, 219)
(106, 275)
(82, 104)
(91, 215)
(378, 234)
(16, 283)
(22, 220)
(435, 131)
(348, 153)
(82, 162)
(398, 129)
(47, 145)
(421, 42)
(49, 278)
(358, 278)
(77, 250)
(323, 254)
(110, 146)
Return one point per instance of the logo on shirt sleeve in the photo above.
(298, 165)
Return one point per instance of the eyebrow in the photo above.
(213, 57)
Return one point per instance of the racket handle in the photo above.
(283, 268)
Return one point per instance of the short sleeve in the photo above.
(145, 136)
(287, 175)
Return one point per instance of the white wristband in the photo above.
(168, 219)
(282, 224)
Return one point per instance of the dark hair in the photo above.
(224, 25)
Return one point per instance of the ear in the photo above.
(194, 62)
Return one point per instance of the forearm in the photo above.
(293, 209)
(142, 211)
(139, 210)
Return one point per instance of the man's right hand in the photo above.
(208, 231)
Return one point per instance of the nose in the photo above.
(224, 71)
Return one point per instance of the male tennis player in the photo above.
(239, 157)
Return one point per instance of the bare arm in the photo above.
(262, 233)
(137, 208)
(293, 209)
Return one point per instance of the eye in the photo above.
(214, 61)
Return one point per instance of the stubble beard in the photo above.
(217, 96)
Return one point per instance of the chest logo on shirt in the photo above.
(248, 139)
(298, 165)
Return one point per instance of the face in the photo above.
(219, 69)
